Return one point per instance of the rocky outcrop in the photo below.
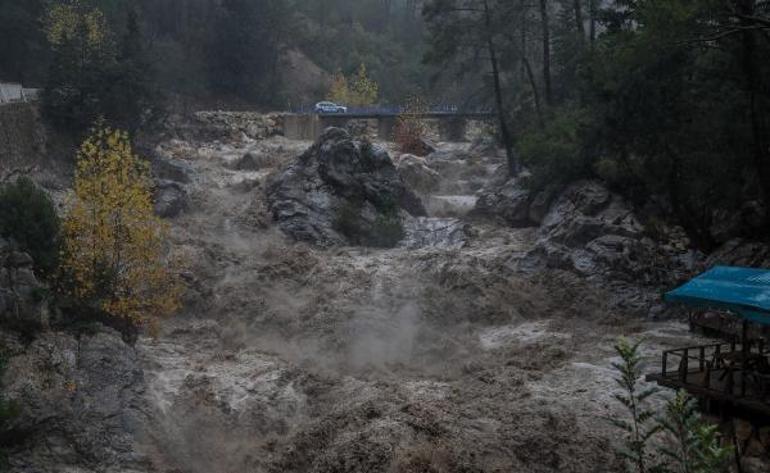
(22, 296)
(484, 145)
(741, 252)
(341, 191)
(417, 175)
(78, 403)
(509, 202)
(595, 233)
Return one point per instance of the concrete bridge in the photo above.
(442, 125)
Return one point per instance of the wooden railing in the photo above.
(685, 364)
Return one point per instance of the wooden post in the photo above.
(717, 354)
(665, 362)
(746, 350)
(684, 366)
(702, 359)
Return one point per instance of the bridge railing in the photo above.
(398, 110)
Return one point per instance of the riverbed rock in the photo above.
(509, 203)
(171, 199)
(170, 169)
(484, 145)
(434, 232)
(22, 302)
(417, 175)
(342, 191)
(253, 161)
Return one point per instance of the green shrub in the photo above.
(28, 216)
(693, 445)
(638, 428)
(385, 232)
(687, 443)
(555, 153)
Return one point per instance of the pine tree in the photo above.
(83, 56)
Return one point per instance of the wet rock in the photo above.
(77, 401)
(741, 252)
(171, 199)
(172, 169)
(22, 302)
(417, 175)
(252, 162)
(341, 191)
(595, 234)
(540, 204)
(587, 210)
(484, 145)
(426, 147)
(434, 232)
(509, 202)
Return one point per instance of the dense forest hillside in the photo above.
(667, 101)
(238, 52)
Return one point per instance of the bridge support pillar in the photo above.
(386, 127)
(453, 129)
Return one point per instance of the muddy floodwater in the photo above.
(437, 358)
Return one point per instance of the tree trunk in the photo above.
(592, 22)
(546, 52)
(527, 67)
(513, 164)
(580, 28)
(749, 42)
(535, 93)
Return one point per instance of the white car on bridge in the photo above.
(330, 107)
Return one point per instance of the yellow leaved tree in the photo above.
(67, 22)
(339, 92)
(357, 91)
(115, 253)
(363, 90)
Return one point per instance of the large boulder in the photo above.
(171, 169)
(22, 297)
(342, 191)
(171, 199)
(417, 175)
(508, 202)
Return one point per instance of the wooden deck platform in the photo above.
(722, 376)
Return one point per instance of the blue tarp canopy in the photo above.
(744, 291)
